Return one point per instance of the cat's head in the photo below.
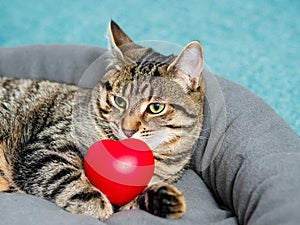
(152, 97)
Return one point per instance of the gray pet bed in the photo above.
(246, 169)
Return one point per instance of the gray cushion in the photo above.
(252, 163)
(62, 63)
(24, 209)
(246, 163)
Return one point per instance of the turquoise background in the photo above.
(254, 42)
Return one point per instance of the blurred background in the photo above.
(254, 43)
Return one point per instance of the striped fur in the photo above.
(47, 127)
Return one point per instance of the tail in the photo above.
(6, 175)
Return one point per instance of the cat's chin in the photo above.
(153, 144)
(154, 140)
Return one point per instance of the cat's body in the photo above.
(46, 127)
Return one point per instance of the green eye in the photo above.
(156, 108)
(120, 102)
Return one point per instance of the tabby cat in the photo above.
(45, 129)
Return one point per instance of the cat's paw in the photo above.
(163, 200)
(87, 204)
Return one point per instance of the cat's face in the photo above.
(155, 109)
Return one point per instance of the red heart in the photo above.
(119, 169)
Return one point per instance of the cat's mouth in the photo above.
(151, 138)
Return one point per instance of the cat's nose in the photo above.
(129, 133)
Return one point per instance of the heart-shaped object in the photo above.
(119, 169)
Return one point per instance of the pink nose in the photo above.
(129, 133)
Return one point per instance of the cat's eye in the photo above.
(155, 108)
(120, 102)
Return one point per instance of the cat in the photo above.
(47, 127)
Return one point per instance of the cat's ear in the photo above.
(123, 49)
(117, 35)
(188, 65)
